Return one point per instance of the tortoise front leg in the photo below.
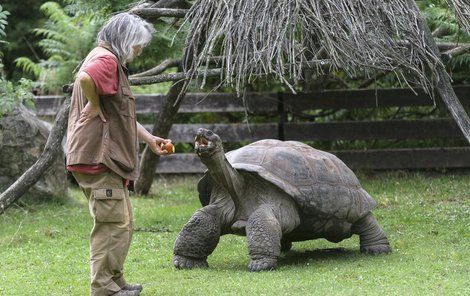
(197, 240)
(264, 234)
(371, 236)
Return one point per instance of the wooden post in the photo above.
(161, 128)
(444, 87)
(282, 116)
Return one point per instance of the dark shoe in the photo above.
(127, 293)
(132, 287)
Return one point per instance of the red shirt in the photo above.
(104, 73)
(88, 169)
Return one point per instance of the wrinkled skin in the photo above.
(244, 203)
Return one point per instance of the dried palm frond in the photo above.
(281, 38)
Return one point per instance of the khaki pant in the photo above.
(111, 236)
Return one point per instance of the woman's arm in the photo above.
(92, 108)
(154, 142)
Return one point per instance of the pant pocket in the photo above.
(108, 205)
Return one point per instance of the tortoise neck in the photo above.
(226, 175)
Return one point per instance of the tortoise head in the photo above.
(207, 143)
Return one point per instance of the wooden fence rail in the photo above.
(278, 108)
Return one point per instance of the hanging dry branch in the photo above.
(457, 51)
(155, 13)
(163, 66)
(172, 77)
(169, 4)
(155, 75)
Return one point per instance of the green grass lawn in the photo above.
(44, 248)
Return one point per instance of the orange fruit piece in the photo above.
(169, 147)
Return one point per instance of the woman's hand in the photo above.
(155, 144)
(91, 111)
(152, 141)
(92, 108)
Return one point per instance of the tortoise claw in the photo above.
(182, 262)
(376, 249)
(262, 264)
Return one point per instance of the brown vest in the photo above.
(113, 143)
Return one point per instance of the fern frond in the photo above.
(49, 34)
(461, 61)
(439, 15)
(53, 47)
(3, 21)
(53, 11)
(28, 66)
(66, 39)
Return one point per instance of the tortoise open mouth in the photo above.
(207, 142)
(201, 142)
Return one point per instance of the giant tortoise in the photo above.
(275, 192)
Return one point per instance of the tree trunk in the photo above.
(161, 128)
(444, 86)
(34, 173)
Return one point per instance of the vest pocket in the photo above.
(107, 205)
(127, 103)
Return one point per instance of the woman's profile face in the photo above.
(136, 51)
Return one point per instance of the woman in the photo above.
(102, 140)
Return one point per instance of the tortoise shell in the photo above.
(319, 182)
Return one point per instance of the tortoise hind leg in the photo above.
(372, 238)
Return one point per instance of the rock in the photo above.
(22, 140)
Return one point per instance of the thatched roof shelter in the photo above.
(282, 38)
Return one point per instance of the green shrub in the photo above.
(66, 41)
(11, 95)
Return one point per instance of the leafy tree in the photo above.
(103, 6)
(69, 33)
(12, 95)
(446, 29)
(3, 23)
(165, 44)
(24, 15)
(9, 94)
(66, 40)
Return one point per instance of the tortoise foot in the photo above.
(182, 262)
(376, 249)
(262, 264)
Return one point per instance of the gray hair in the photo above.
(123, 31)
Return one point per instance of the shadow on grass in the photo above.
(294, 257)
